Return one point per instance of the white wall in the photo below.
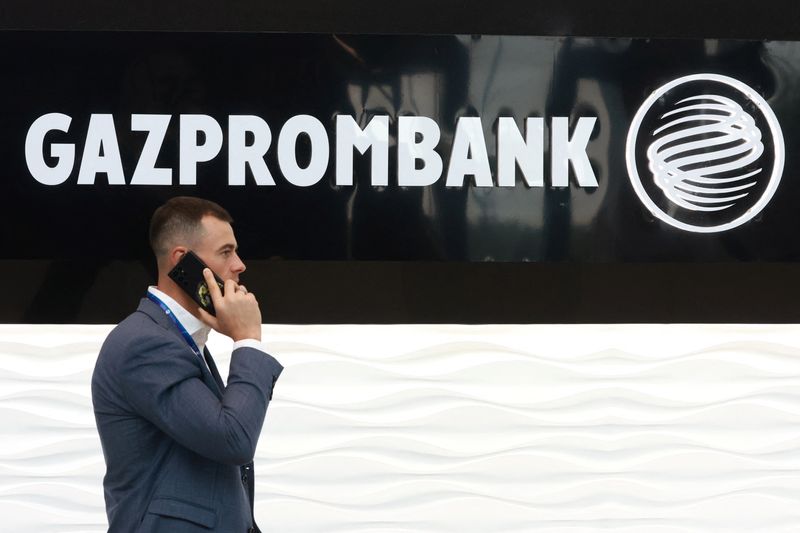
(456, 428)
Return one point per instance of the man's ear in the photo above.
(176, 254)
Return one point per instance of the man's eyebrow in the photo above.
(228, 246)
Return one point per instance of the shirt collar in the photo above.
(194, 326)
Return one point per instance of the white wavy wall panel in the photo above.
(456, 428)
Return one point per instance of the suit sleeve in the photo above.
(161, 379)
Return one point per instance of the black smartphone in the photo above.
(188, 274)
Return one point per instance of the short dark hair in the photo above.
(180, 218)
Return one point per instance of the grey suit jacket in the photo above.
(178, 444)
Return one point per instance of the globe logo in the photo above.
(705, 153)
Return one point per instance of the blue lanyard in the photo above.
(193, 345)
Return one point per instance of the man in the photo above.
(178, 443)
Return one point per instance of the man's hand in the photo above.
(238, 314)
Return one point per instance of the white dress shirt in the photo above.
(196, 327)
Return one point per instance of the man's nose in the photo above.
(239, 266)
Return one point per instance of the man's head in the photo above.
(188, 223)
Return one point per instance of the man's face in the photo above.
(217, 248)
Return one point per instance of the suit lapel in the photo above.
(210, 374)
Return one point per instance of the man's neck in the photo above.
(168, 287)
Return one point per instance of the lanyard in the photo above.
(193, 345)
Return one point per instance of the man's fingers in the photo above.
(208, 318)
(230, 286)
(213, 288)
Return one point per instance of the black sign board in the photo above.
(454, 148)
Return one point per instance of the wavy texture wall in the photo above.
(456, 428)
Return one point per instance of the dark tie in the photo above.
(213, 367)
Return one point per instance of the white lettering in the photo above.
(409, 151)
(146, 172)
(564, 150)
(375, 136)
(101, 137)
(249, 139)
(63, 152)
(240, 154)
(191, 152)
(320, 150)
(468, 155)
(513, 150)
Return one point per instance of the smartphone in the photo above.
(188, 274)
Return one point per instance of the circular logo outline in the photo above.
(777, 141)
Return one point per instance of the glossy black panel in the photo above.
(333, 252)
(324, 292)
(443, 78)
